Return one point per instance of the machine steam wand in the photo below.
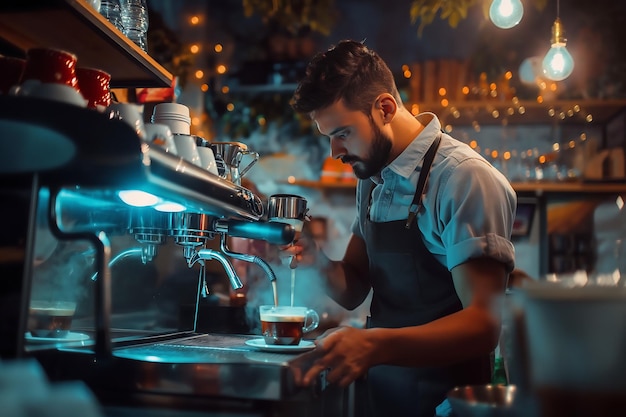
(192, 255)
(247, 258)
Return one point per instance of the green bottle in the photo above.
(499, 372)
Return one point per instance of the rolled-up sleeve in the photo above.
(475, 215)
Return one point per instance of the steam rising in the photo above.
(61, 268)
(64, 275)
(309, 292)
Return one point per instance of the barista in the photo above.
(431, 239)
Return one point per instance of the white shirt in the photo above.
(468, 207)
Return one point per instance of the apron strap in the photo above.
(422, 180)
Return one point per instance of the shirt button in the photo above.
(387, 192)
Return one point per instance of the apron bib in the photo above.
(410, 287)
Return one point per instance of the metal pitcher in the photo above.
(228, 156)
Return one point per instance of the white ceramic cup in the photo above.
(207, 159)
(160, 135)
(175, 115)
(50, 91)
(576, 337)
(130, 114)
(187, 149)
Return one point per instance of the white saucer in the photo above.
(261, 345)
(71, 337)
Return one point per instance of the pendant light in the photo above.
(506, 13)
(558, 64)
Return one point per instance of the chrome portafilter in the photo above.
(288, 208)
(191, 229)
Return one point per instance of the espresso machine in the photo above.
(84, 197)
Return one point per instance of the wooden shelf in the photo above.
(537, 188)
(466, 113)
(319, 185)
(263, 89)
(574, 187)
(74, 26)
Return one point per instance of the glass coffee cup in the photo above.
(50, 319)
(285, 325)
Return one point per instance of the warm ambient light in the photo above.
(506, 13)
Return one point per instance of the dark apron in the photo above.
(410, 288)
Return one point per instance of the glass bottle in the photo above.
(135, 22)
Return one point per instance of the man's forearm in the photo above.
(344, 285)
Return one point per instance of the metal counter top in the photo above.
(198, 364)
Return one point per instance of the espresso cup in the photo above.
(207, 159)
(187, 148)
(50, 318)
(160, 135)
(285, 325)
(94, 85)
(50, 65)
(130, 114)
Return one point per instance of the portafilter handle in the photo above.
(275, 233)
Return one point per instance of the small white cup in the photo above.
(160, 135)
(207, 159)
(175, 115)
(130, 114)
(187, 149)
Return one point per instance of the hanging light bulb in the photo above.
(558, 64)
(506, 13)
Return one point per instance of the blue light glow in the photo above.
(169, 207)
(137, 198)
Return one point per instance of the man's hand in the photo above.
(346, 352)
(302, 251)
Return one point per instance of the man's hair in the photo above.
(349, 71)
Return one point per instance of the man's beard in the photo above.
(376, 158)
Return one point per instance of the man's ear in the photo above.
(388, 105)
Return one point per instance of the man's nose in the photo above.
(337, 150)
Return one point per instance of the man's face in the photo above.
(354, 138)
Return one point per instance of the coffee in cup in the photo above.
(285, 325)
(50, 318)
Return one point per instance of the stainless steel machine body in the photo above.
(68, 229)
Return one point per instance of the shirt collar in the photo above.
(408, 161)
